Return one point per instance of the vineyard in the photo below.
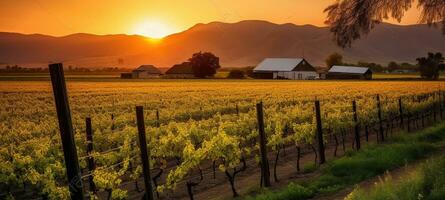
(201, 134)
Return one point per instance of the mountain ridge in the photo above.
(239, 44)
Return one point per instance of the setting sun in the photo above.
(153, 29)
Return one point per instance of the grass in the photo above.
(426, 182)
(358, 166)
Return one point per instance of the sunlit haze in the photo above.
(151, 18)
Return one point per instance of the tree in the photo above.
(349, 19)
(204, 64)
(236, 74)
(373, 66)
(429, 66)
(393, 66)
(334, 59)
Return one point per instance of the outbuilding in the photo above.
(349, 72)
(183, 70)
(146, 71)
(285, 68)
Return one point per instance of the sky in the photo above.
(154, 18)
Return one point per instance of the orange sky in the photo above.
(153, 17)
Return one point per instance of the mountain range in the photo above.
(239, 44)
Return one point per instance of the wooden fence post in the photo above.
(321, 152)
(90, 159)
(379, 112)
(158, 123)
(434, 107)
(356, 125)
(112, 122)
(265, 173)
(443, 101)
(145, 157)
(401, 112)
(66, 131)
(440, 105)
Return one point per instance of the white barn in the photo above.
(285, 68)
(146, 71)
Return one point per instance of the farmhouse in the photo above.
(285, 68)
(183, 70)
(146, 71)
(348, 72)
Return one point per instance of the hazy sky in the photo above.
(153, 17)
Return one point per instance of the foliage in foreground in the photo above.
(426, 182)
(358, 166)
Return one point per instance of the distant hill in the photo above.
(237, 44)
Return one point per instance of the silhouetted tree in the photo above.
(204, 64)
(429, 66)
(393, 66)
(349, 19)
(334, 59)
(236, 74)
(373, 66)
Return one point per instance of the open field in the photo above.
(115, 76)
(207, 126)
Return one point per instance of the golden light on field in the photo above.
(153, 29)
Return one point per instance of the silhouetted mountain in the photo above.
(237, 44)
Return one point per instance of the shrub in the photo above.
(236, 74)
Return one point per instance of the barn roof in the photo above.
(348, 69)
(148, 68)
(278, 64)
(184, 68)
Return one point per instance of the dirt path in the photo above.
(396, 175)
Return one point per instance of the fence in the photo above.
(381, 129)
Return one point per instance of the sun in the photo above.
(152, 29)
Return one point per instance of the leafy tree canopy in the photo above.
(429, 66)
(334, 59)
(349, 19)
(204, 64)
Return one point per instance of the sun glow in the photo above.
(153, 29)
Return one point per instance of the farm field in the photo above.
(115, 76)
(197, 129)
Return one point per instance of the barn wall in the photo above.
(296, 75)
(179, 76)
(144, 75)
(348, 76)
(264, 75)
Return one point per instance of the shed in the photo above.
(349, 72)
(285, 68)
(126, 75)
(146, 71)
(183, 70)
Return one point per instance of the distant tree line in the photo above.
(19, 69)
(16, 69)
